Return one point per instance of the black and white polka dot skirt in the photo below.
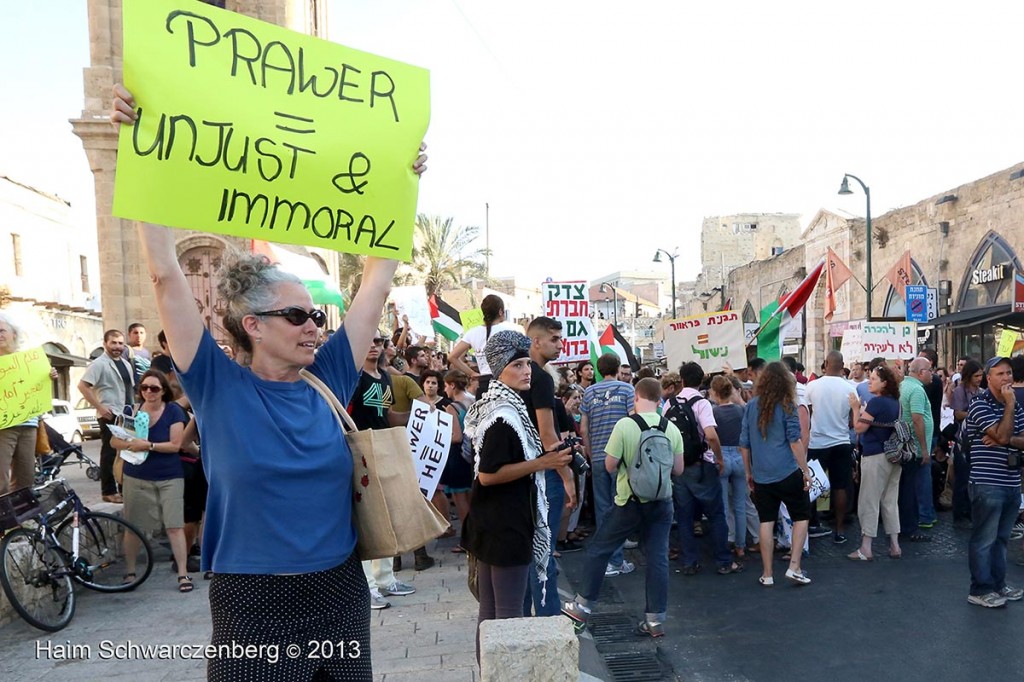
(314, 626)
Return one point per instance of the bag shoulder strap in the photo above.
(340, 413)
(640, 422)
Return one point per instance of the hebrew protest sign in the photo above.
(248, 129)
(852, 345)
(889, 340)
(430, 438)
(568, 303)
(25, 386)
(710, 340)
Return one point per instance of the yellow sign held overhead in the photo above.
(473, 317)
(25, 386)
(1007, 340)
(249, 129)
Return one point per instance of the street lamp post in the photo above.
(615, 296)
(672, 260)
(845, 189)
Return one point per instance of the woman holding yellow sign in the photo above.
(279, 534)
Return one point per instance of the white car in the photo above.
(62, 419)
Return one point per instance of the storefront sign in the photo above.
(932, 299)
(992, 274)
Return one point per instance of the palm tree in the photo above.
(442, 252)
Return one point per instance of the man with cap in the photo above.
(994, 428)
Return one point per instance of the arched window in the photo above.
(992, 251)
(748, 313)
(895, 306)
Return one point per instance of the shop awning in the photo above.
(58, 359)
(975, 316)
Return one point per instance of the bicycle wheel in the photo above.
(36, 580)
(103, 564)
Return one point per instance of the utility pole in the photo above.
(487, 238)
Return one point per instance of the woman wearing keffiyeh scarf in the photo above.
(506, 527)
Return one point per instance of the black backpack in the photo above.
(680, 413)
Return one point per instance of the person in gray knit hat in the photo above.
(504, 529)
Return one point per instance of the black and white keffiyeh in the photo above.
(501, 402)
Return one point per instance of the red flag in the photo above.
(836, 275)
(791, 304)
(900, 274)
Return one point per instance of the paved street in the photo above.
(906, 619)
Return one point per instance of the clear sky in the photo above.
(600, 131)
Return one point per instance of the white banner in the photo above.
(412, 301)
(710, 340)
(430, 438)
(852, 346)
(889, 340)
(568, 303)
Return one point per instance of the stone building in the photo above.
(733, 240)
(965, 242)
(124, 283)
(48, 280)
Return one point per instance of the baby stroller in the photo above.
(48, 466)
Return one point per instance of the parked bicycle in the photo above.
(68, 543)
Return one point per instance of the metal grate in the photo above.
(634, 667)
(611, 628)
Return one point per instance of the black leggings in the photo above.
(502, 589)
(313, 626)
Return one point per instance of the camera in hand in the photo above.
(579, 464)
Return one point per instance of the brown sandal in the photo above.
(185, 583)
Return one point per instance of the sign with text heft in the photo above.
(710, 340)
(248, 129)
(567, 302)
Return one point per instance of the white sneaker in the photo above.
(626, 568)
(398, 589)
(377, 600)
(611, 570)
(630, 544)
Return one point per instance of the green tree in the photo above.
(443, 252)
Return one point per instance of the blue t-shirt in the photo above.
(604, 404)
(884, 410)
(280, 472)
(988, 462)
(160, 466)
(771, 458)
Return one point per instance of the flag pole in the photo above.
(783, 304)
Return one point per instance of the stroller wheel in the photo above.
(93, 473)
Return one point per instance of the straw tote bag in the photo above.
(391, 514)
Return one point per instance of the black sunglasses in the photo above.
(297, 315)
(147, 388)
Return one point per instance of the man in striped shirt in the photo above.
(995, 424)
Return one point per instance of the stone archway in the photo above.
(895, 306)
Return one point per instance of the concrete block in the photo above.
(517, 649)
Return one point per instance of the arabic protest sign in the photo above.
(248, 129)
(568, 303)
(889, 340)
(25, 386)
(709, 339)
(471, 318)
(430, 438)
(1007, 342)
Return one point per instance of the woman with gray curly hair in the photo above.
(279, 533)
(17, 442)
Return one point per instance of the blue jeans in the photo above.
(604, 499)
(696, 489)
(961, 496)
(531, 602)
(654, 521)
(734, 494)
(993, 510)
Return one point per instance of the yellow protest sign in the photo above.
(1007, 340)
(248, 129)
(471, 318)
(25, 387)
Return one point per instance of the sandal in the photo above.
(185, 583)
(208, 575)
(128, 579)
(731, 568)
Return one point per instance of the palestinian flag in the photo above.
(777, 316)
(321, 288)
(611, 341)
(445, 319)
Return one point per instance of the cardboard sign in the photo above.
(710, 340)
(568, 303)
(25, 386)
(852, 345)
(430, 438)
(412, 301)
(471, 318)
(1007, 340)
(889, 340)
(248, 129)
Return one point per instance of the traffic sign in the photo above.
(917, 303)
